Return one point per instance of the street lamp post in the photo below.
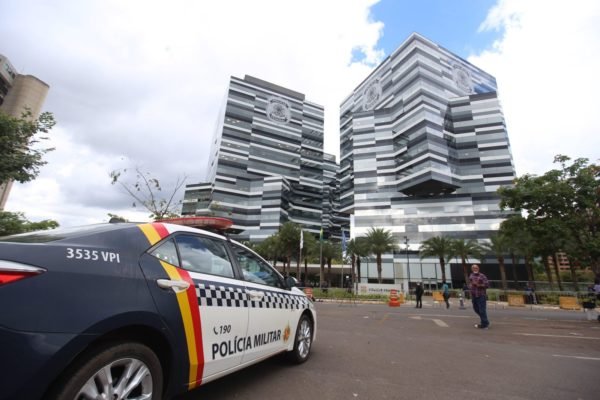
(407, 263)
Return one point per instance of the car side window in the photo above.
(166, 252)
(203, 254)
(256, 270)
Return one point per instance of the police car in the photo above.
(139, 311)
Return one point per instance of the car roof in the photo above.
(86, 230)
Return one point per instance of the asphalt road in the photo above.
(378, 352)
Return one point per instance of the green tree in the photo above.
(12, 223)
(289, 240)
(521, 241)
(270, 248)
(498, 246)
(331, 250)
(380, 241)
(440, 247)
(19, 140)
(310, 250)
(464, 249)
(570, 196)
(148, 192)
(357, 248)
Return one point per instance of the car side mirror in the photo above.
(290, 282)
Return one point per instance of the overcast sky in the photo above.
(140, 83)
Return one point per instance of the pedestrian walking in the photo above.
(446, 293)
(419, 293)
(478, 283)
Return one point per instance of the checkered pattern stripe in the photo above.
(217, 294)
(280, 300)
(220, 295)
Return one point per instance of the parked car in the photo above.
(125, 310)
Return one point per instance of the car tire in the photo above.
(129, 363)
(302, 341)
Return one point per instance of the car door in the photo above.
(273, 314)
(212, 312)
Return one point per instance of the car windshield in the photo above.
(58, 234)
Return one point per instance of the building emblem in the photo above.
(371, 95)
(279, 110)
(462, 78)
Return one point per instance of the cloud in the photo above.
(546, 64)
(140, 83)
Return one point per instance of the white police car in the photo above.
(139, 311)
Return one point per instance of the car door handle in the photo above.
(176, 286)
(255, 295)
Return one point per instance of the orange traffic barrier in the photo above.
(516, 300)
(394, 300)
(568, 303)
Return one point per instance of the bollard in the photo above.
(462, 302)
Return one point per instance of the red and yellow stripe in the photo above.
(188, 306)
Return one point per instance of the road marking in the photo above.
(441, 323)
(443, 315)
(558, 336)
(577, 357)
(438, 322)
(382, 320)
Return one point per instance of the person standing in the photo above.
(478, 283)
(446, 293)
(596, 288)
(419, 293)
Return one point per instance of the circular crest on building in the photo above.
(462, 78)
(279, 110)
(371, 95)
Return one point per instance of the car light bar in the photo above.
(11, 271)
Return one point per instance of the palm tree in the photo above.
(380, 241)
(464, 248)
(498, 245)
(357, 248)
(440, 247)
(330, 251)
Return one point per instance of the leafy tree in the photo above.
(440, 247)
(498, 246)
(289, 240)
(19, 137)
(380, 241)
(309, 250)
(270, 248)
(15, 222)
(521, 241)
(147, 191)
(570, 196)
(464, 248)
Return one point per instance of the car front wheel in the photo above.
(124, 371)
(302, 341)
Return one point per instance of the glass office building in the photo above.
(267, 164)
(423, 149)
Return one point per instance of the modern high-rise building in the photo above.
(423, 149)
(267, 165)
(18, 93)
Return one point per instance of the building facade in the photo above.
(423, 149)
(18, 93)
(267, 165)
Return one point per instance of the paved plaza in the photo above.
(367, 351)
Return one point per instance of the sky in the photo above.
(140, 83)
